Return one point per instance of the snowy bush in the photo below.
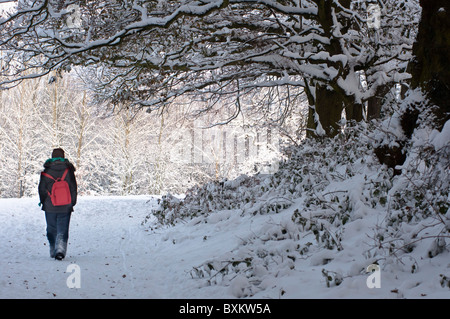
(260, 257)
(329, 184)
(417, 218)
(244, 193)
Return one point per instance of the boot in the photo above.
(59, 256)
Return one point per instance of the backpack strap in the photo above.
(65, 174)
(48, 175)
(62, 177)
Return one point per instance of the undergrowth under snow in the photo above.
(332, 210)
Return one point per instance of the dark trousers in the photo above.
(57, 232)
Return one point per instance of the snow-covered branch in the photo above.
(151, 52)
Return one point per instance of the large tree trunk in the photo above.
(430, 69)
(375, 102)
(329, 106)
(354, 111)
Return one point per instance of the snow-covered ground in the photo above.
(118, 257)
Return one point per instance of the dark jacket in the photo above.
(55, 167)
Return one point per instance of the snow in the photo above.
(441, 139)
(118, 257)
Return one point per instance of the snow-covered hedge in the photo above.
(323, 172)
(330, 187)
(250, 194)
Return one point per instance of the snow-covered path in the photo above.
(117, 256)
(103, 237)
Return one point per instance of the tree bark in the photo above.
(375, 102)
(354, 111)
(329, 106)
(430, 69)
(330, 100)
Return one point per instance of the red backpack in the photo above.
(60, 194)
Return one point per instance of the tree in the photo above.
(430, 68)
(21, 145)
(430, 73)
(150, 52)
